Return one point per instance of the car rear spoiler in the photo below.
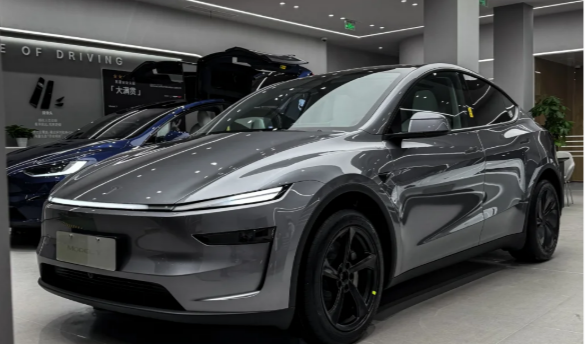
(231, 74)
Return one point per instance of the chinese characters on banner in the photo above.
(121, 94)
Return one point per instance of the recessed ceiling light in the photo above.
(295, 6)
(414, 4)
(282, 3)
(382, 27)
(343, 18)
(331, 15)
(403, 0)
(380, 47)
(371, 24)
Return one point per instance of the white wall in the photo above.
(138, 23)
(411, 50)
(340, 58)
(561, 31)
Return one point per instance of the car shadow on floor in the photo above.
(110, 328)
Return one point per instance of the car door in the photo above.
(510, 159)
(436, 182)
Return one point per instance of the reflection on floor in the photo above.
(491, 299)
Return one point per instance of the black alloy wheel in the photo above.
(543, 225)
(349, 278)
(548, 220)
(342, 279)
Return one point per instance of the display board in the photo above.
(56, 88)
(120, 94)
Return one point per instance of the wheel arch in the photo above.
(364, 199)
(552, 174)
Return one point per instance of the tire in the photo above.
(543, 225)
(330, 311)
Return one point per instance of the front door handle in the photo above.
(525, 140)
(472, 150)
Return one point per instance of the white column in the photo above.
(6, 331)
(451, 33)
(514, 68)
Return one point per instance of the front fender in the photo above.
(325, 196)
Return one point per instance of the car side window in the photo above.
(487, 104)
(439, 92)
(182, 126)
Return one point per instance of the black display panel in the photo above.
(121, 94)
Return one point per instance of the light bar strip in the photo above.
(555, 5)
(541, 7)
(384, 33)
(545, 53)
(88, 40)
(558, 52)
(98, 204)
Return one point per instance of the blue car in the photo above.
(221, 79)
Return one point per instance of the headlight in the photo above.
(230, 201)
(57, 169)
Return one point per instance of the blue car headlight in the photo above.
(56, 169)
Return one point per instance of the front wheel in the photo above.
(342, 279)
(543, 226)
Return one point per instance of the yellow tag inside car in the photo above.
(283, 67)
(470, 112)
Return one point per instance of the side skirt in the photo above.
(513, 242)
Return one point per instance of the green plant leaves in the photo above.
(18, 131)
(555, 118)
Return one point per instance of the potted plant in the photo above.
(20, 133)
(554, 112)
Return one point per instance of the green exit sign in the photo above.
(350, 25)
(484, 3)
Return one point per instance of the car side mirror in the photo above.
(424, 124)
(175, 136)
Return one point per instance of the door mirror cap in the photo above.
(425, 124)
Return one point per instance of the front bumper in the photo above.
(157, 251)
(26, 196)
(281, 318)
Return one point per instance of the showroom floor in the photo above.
(489, 300)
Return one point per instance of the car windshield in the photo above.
(120, 126)
(337, 101)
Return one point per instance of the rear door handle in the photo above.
(471, 150)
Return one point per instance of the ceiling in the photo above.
(377, 21)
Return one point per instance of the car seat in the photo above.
(203, 118)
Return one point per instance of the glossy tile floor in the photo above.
(488, 300)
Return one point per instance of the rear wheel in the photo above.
(342, 279)
(543, 226)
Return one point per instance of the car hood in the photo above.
(53, 152)
(211, 166)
